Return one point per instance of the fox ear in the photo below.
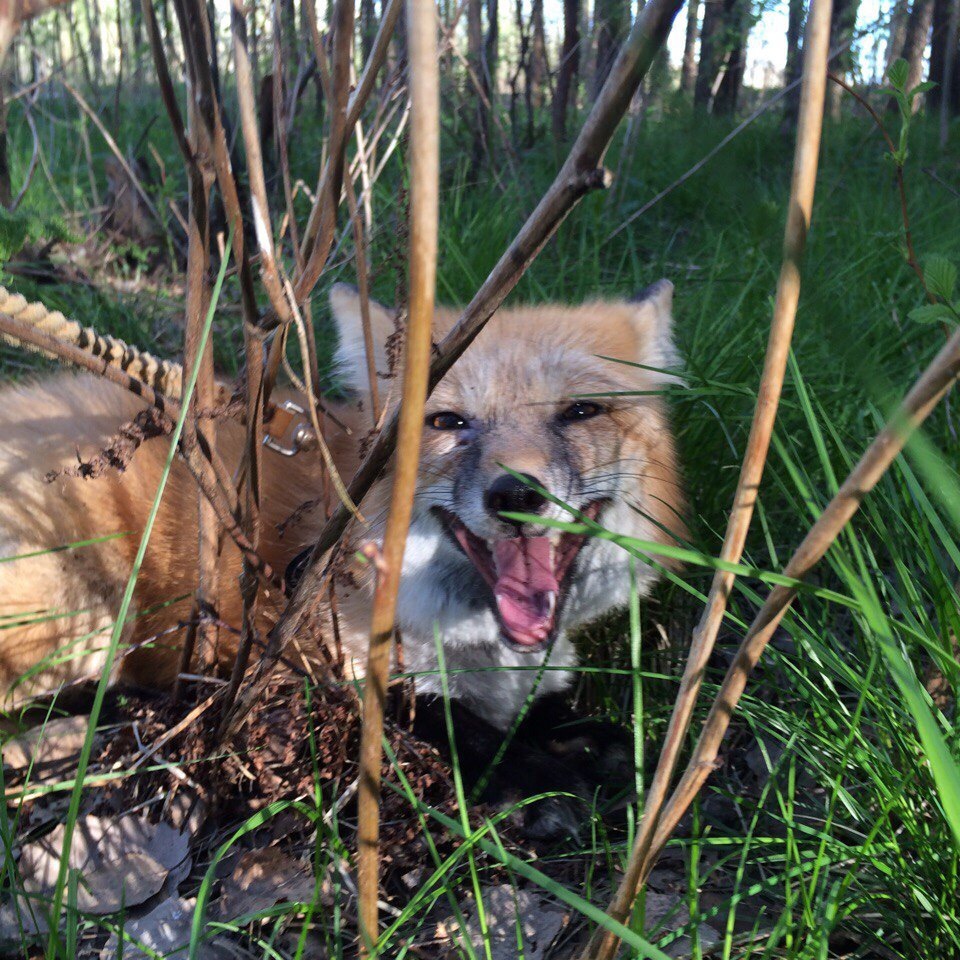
(653, 323)
(352, 352)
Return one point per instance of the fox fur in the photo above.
(513, 396)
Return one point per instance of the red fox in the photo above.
(538, 410)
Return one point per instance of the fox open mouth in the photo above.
(528, 577)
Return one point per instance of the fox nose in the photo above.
(510, 494)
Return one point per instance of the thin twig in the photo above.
(912, 261)
(799, 210)
(328, 196)
(114, 149)
(34, 157)
(378, 54)
(251, 141)
(424, 189)
(363, 288)
(926, 393)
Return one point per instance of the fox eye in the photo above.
(581, 410)
(446, 420)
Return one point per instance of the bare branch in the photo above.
(799, 210)
(424, 189)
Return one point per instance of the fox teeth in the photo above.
(551, 602)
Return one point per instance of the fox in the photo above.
(554, 413)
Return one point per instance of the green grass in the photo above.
(843, 841)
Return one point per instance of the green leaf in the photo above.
(943, 766)
(14, 233)
(932, 313)
(898, 73)
(940, 276)
(20, 226)
(922, 88)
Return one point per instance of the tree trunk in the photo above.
(611, 23)
(255, 47)
(522, 67)
(399, 61)
(898, 31)
(794, 66)
(713, 51)
(943, 45)
(950, 102)
(92, 14)
(918, 31)
(136, 27)
(491, 51)
(481, 128)
(368, 27)
(728, 91)
(537, 65)
(569, 68)
(79, 49)
(688, 71)
(842, 24)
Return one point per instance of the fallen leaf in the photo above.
(262, 878)
(119, 863)
(666, 912)
(165, 930)
(52, 748)
(504, 908)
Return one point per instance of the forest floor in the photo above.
(821, 835)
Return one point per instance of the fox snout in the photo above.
(514, 494)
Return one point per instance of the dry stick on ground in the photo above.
(579, 175)
(424, 187)
(799, 210)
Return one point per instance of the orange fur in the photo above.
(521, 364)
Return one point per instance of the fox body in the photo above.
(537, 410)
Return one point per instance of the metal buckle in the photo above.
(301, 434)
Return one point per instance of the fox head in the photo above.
(553, 411)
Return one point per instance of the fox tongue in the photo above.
(526, 588)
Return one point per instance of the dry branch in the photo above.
(15, 13)
(262, 220)
(800, 207)
(579, 175)
(363, 288)
(196, 433)
(424, 188)
(328, 194)
(355, 105)
(925, 394)
(115, 150)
